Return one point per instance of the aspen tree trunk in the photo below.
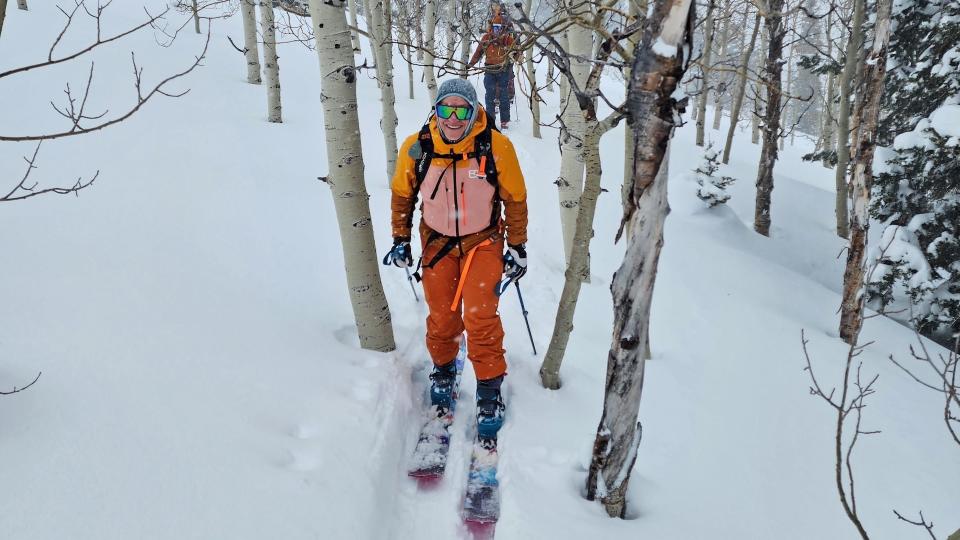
(371, 30)
(724, 41)
(3, 14)
(638, 10)
(570, 182)
(757, 105)
(843, 119)
(771, 118)
(196, 17)
(579, 259)
(705, 73)
(465, 38)
(354, 30)
(868, 112)
(338, 87)
(654, 79)
(429, 44)
(408, 22)
(741, 85)
(828, 117)
(532, 79)
(451, 32)
(250, 45)
(271, 64)
(786, 106)
(381, 37)
(22, 4)
(550, 75)
(418, 27)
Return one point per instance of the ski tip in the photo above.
(480, 530)
(426, 482)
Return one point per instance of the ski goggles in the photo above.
(446, 111)
(497, 28)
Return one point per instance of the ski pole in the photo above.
(525, 318)
(412, 288)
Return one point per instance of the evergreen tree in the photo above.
(918, 189)
(713, 189)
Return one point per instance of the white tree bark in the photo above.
(705, 73)
(531, 72)
(22, 4)
(451, 31)
(638, 10)
(429, 46)
(758, 90)
(383, 48)
(3, 14)
(718, 92)
(653, 81)
(354, 30)
(868, 113)
(550, 75)
(250, 44)
(828, 116)
(843, 119)
(338, 85)
(741, 86)
(579, 260)
(196, 17)
(570, 181)
(407, 23)
(466, 37)
(271, 64)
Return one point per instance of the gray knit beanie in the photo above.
(463, 89)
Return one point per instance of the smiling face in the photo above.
(453, 128)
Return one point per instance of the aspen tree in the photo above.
(843, 119)
(570, 181)
(354, 29)
(250, 44)
(772, 73)
(757, 100)
(429, 44)
(828, 116)
(338, 86)
(638, 10)
(653, 81)
(724, 42)
(196, 17)
(3, 14)
(741, 85)
(705, 73)
(868, 113)
(466, 36)
(531, 72)
(382, 44)
(271, 64)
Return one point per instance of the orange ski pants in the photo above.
(474, 309)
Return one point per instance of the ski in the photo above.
(481, 502)
(430, 455)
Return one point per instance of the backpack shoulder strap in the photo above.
(483, 147)
(425, 143)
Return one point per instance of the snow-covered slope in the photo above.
(201, 378)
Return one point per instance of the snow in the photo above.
(202, 378)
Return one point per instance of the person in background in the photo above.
(495, 47)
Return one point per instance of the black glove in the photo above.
(515, 262)
(400, 254)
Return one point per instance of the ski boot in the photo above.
(490, 411)
(441, 387)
